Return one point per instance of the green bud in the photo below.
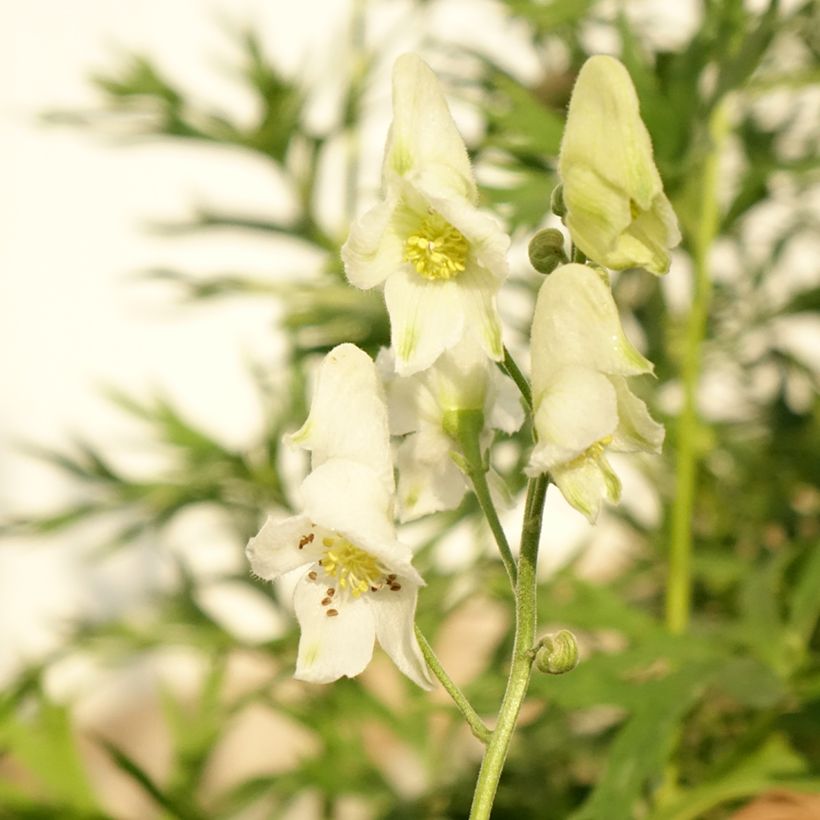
(557, 205)
(557, 654)
(546, 250)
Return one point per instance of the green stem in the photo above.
(509, 366)
(679, 585)
(518, 682)
(476, 724)
(465, 426)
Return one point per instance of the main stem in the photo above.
(679, 585)
(518, 681)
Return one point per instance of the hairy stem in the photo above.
(476, 724)
(679, 584)
(521, 667)
(509, 366)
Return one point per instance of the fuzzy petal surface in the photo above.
(637, 430)
(348, 414)
(373, 250)
(586, 485)
(331, 647)
(276, 549)
(394, 613)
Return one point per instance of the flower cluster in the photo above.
(438, 390)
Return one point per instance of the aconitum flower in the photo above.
(582, 404)
(423, 408)
(359, 584)
(441, 261)
(616, 209)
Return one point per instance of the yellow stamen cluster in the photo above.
(436, 250)
(354, 568)
(591, 452)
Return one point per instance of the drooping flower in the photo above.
(422, 408)
(441, 261)
(582, 404)
(616, 209)
(359, 584)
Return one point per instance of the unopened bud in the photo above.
(557, 654)
(546, 250)
(557, 205)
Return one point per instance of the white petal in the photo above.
(423, 138)
(576, 322)
(348, 414)
(586, 485)
(275, 550)
(577, 409)
(402, 394)
(429, 480)
(504, 410)
(459, 378)
(426, 317)
(394, 613)
(331, 646)
(373, 250)
(348, 497)
(478, 289)
(637, 430)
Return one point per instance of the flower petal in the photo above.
(373, 250)
(575, 410)
(331, 646)
(348, 497)
(348, 414)
(586, 484)
(429, 480)
(276, 549)
(426, 317)
(394, 613)
(637, 430)
(423, 138)
(576, 322)
(503, 410)
(478, 289)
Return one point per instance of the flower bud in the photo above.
(616, 209)
(557, 205)
(557, 653)
(546, 250)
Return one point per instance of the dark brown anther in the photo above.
(395, 587)
(331, 613)
(313, 576)
(325, 601)
(330, 592)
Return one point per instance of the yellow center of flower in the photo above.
(591, 452)
(354, 569)
(436, 250)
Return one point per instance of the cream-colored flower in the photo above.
(421, 407)
(441, 261)
(583, 407)
(359, 584)
(616, 210)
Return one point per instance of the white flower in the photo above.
(462, 379)
(359, 584)
(441, 261)
(616, 209)
(582, 404)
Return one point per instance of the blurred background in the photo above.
(179, 177)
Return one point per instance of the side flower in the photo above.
(359, 584)
(423, 407)
(441, 261)
(582, 404)
(616, 209)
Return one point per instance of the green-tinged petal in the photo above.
(348, 414)
(283, 545)
(429, 480)
(637, 430)
(394, 612)
(616, 210)
(426, 317)
(482, 322)
(423, 140)
(586, 484)
(331, 646)
(349, 498)
(575, 411)
(373, 250)
(576, 322)
(503, 409)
